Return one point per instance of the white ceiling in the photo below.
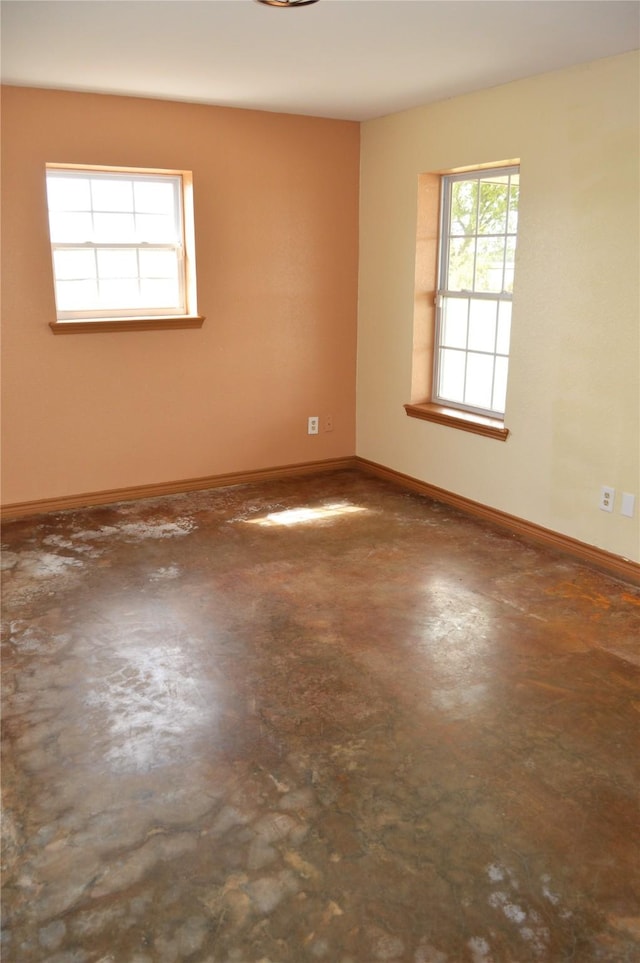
(351, 59)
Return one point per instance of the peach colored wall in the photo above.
(276, 212)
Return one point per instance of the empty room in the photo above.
(320, 481)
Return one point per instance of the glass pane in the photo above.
(121, 263)
(454, 323)
(160, 294)
(114, 228)
(76, 295)
(489, 263)
(500, 385)
(510, 264)
(112, 195)
(504, 327)
(482, 325)
(120, 293)
(451, 375)
(67, 228)
(514, 197)
(478, 386)
(464, 204)
(156, 229)
(461, 252)
(492, 217)
(68, 193)
(154, 197)
(158, 264)
(74, 265)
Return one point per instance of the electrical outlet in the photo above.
(327, 424)
(628, 504)
(607, 496)
(312, 425)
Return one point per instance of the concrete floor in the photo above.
(314, 720)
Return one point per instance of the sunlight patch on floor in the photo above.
(298, 516)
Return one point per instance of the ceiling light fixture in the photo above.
(287, 3)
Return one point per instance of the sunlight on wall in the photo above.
(576, 134)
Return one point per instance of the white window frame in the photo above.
(182, 244)
(443, 291)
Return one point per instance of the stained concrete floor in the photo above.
(314, 720)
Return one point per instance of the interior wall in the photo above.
(276, 220)
(573, 405)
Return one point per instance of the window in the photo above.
(479, 219)
(122, 244)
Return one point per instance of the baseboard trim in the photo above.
(615, 565)
(113, 495)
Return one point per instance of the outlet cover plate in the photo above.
(607, 496)
(628, 504)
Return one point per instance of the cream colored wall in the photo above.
(276, 219)
(573, 404)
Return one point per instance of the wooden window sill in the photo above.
(465, 420)
(100, 325)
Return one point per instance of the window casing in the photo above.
(120, 243)
(478, 233)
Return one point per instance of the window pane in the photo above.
(155, 197)
(68, 193)
(451, 375)
(74, 265)
(454, 323)
(158, 264)
(514, 197)
(112, 195)
(120, 293)
(482, 325)
(70, 228)
(160, 294)
(510, 264)
(489, 264)
(477, 257)
(492, 216)
(504, 327)
(156, 229)
(118, 263)
(500, 384)
(114, 228)
(117, 242)
(76, 295)
(461, 252)
(479, 380)
(464, 207)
